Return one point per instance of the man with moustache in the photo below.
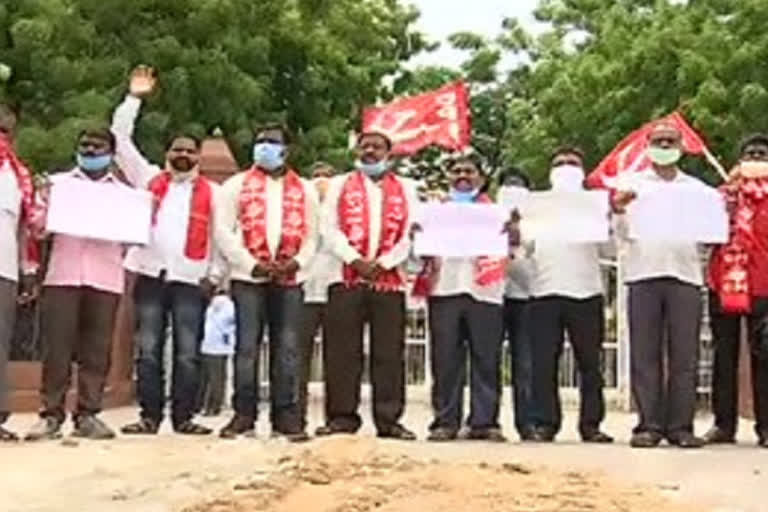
(367, 219)
(175, 272)
(266, 228)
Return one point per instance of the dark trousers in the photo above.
(726, 333)
(482, 337)
(314, 320)
(279, 309)
(7, 325)
(583, 320)
(664, 324)
(213, 382)
(155, 301)
(349, 309)
(517, 326)
(77, 324)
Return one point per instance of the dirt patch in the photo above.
(358, 475)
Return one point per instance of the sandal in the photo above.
(191, 428)
(144, 426)
(6, 436)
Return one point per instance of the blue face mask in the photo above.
(375, 169)
(93, 163)
(460, 196)
(268, 155)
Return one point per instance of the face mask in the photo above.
(567, 177)
(269, 156)
(664, 156)
(375, 169)
(93, 163)
(462, 196)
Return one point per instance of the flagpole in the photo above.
(714, 163)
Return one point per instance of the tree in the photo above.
(605, 67)
(230, 63)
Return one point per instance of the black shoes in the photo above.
(397, 432)
(493, 435)
(442, 435)
(716, 435)
(645, 440)
(685, 440)
(596, 437)
(238, 425)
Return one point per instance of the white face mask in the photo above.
(567, 177)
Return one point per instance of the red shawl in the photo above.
(732, 266)
(199, 223)
(253, 217)
(24, 180)
(354, 222)
(488, 271)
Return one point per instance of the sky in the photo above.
(440, 18)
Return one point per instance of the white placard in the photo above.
(99, 210)
(513, 198)
(461, 230)
(579, 216)
(678, 212)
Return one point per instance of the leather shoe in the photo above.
(442, 435)
(333, 430)
(398, 432)
(716, 435)
(645, 440)
(685, 440)
(596, 437)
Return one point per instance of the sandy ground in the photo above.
(359, 474)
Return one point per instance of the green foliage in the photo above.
(226, 63)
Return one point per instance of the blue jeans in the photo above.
(517, 325)
(279, 309)
(155, 301)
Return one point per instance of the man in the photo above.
(567, 291)
(517, 295)
(367, 216)
(465, 297)
(665, 280)
(315, 294)
(267, 230)
(81, 291)
(174, 272)
(738, 283)
(17, 249)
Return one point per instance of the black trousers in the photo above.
(726, 333)
(8, 293)
(583, 320)
(349, 310)
(459, 324)
(314, 319)
(664, 324)
(517, 325)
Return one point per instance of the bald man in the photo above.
(665, 280)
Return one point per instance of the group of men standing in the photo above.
(296, 255)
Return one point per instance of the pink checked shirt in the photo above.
(86, 262)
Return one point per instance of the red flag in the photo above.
(630, 154)
(440, 118)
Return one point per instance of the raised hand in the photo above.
(143, 81)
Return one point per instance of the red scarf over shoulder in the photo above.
(738, 269)
(354, 222)
(253, 217)
(199, 224)
(26, 187)
(488, 271)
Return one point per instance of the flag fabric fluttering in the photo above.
(440, 118)
(630, 155)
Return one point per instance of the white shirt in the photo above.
(166, 250)
(220, 327)
(320, 275)
(567, 270)
(457, 277)
(337, 240)
(10, 209)
(518, 282)
(229, 235)
(652, 260)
